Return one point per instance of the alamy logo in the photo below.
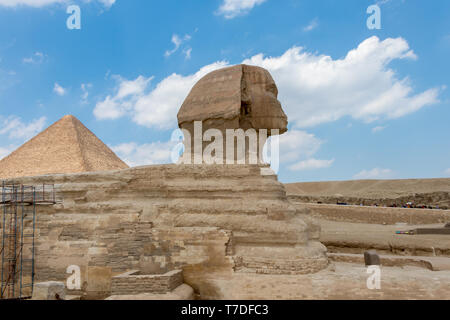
(74, 280)
(74, 20)
(374, 280)
(229, 146)
(374, 21)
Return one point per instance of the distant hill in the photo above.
(429, 192)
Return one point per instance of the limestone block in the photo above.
(371, 258)
(197, 218)
(98, 281)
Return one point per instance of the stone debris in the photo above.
(371, 258)
(133, 282)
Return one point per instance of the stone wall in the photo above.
(200, 219)
(133, 282)
(376, 215)
(434, 199)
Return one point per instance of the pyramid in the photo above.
(67, 146)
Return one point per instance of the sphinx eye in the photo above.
(246, 109)
(271, 87)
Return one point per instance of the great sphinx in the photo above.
(281, 240)
(202, 218)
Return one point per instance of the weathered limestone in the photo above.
(200, 219)
(238, 97)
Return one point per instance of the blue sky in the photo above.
(361, 103)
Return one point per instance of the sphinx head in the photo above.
(239, 97)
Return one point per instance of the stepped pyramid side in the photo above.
(96, 155)
(67, 146)
(208, 220)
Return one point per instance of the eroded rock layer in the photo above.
(202, 219)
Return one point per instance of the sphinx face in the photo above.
(260, 106)
(238, 97)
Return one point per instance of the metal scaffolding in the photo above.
(18, 225)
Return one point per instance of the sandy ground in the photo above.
(340, 281)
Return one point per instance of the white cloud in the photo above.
(132, 88)
(187, 53)
(42, 3)
(233, 8)
(16, 129)
(178, 41)
(316, 89)
(108, 109)
(144, 154)
(447, 172)
(107, 3)
(312, 25)
(375, 173)
(313, 88)
(155, 108)
(127, 95)
(297, 150)
(60, 91)
(36, 58)
(32, 3)
(85, 89)
(311, 164)
(378, 129)
(296, 144)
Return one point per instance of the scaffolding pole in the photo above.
(18, 228)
